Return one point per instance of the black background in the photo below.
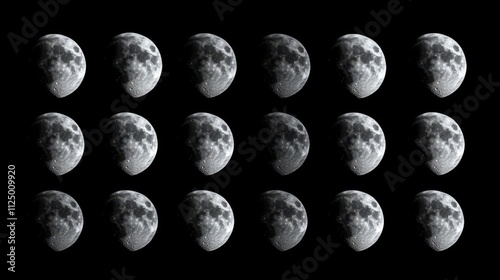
(316, 25)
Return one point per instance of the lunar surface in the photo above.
(441, 63)
(59, 142)
(360, 63)
(60, 64)
(209, 218)
(208, 142)
(58, 219)
(440, 139)
(359, 219)
(136, 63)
(285, 64)
(287, 144)
(283, 218)
(211, 63)
(360, 140)
(439, 219)
(133, 142)
(133, 218)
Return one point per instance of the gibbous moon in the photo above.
(208, 142)
(133, 142)
(285, 64)
(441, 63)
(132, 217)
(360, 63)
(439, 219)
(58, 219)
(360, 140)
(60, 64)
(358, 218)
(211, 63)
(136, 63)
(283, 218)
(209, 218)
(440, 139)
(287, 142)
(59, 142)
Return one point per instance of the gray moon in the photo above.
(60, 64)
(361, 142)
(359, 219)
(133, 142)
(208, 142)
(439, 219)
(440, 139)
(283, 218)
(441, 63)
(58, 219)
(361, 64)
(285, 64)
(132, 217)
(211, 63)
(287, 144)
(209, 218)
(59, 141)
(136, 62)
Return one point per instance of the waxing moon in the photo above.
(136, 63)
(440, 139)
(60, 64)
(440, 62)
(361, 142)
(360, 63)
(211, 63)
(59, 142)
(285, 64)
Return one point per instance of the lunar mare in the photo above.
(132, 217)
(59, 142)
(361, 142)
(285, 64)
(209, 218)
(133, 142)
(359, 219)
(211, 63)
(360, 63)
(136, 62)
(439, 219)
(441, 63)
(58, 219)
(283, 218)
(440, 139)
(60, 64)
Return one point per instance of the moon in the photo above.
(208, 142)
(211, 63)
(58, 141)
(132, 217)
(440, 139)
(58, 219)
(133, 142)
(60, 64)
(285, 64)
(361, 142)
(439, 219)
(360, 63)
(209, 218)
(136, 63)
(283, 218)
(440, 62)
(358, 218)
(287, 144)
